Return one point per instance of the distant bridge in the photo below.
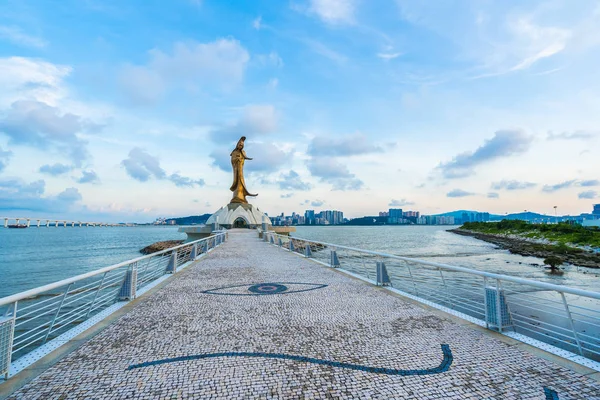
(47, 222)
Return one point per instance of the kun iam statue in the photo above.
(238, 157)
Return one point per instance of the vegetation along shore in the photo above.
(572, 244)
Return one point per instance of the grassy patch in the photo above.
(562, 233)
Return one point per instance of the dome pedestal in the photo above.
(233, 215)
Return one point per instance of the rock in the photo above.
(517, 245)
(158, 246)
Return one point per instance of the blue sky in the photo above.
(127, 110)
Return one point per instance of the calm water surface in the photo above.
(434, 243)
(37, 256)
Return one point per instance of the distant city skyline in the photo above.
(398, 216)
(346, 104)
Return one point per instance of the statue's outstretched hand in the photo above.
(248, 158)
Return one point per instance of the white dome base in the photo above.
(228, 215)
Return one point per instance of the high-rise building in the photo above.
(309, 217)
(411, 214)
(395, 216)
(596, 210)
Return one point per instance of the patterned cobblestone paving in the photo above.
(346, 321)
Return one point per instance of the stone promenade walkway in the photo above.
(210, 333)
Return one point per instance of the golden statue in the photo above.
(238, 156)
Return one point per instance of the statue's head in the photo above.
(240, 143)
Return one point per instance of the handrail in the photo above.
(541, 285)
(569, 325)
(35, 291)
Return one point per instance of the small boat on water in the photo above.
(18, 226)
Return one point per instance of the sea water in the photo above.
(435, 243)
(37, 256)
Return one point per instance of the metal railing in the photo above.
(30, 319)
(564, 317)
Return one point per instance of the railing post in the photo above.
(307, 250)
(172, 266)
(485, 303)
(7, 334)
(129, 286)
(279, 242)
(383, 279)
(412, 280)
(194, 253)
(571, 322)
(87, 315)
(334, 261)
(498, 306)
(57, 313)
(445, 287)
(271, 239)
(362, 259)
(291, 246)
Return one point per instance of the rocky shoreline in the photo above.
(158, 246)
(521, 246)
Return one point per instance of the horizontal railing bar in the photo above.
(548, 286)
(536, 322)
(546, 307)
(63, 323)
(103, 304)
(597, 344)
(549, 336)
(33, 292)
(529, 295)
(35, 317)
(52, 297)
(545, 329)
(29, 339)
(21, 316)
(584, 322)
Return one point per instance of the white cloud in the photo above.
(536, 41)
(143, 85)
(388, 56)
(190, 65)
(498, 37)
(88, 177)
(325, 51)
(31, 79)
(271, 59)
(257, 23)
(400, 203)
(4, 157)
(256, 120)
(333, 11)
(332, 171)
(142, 166)
(15, 194)
(17, 36)
(39, 125)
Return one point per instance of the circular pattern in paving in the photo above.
(267, 288)
(261, 289)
